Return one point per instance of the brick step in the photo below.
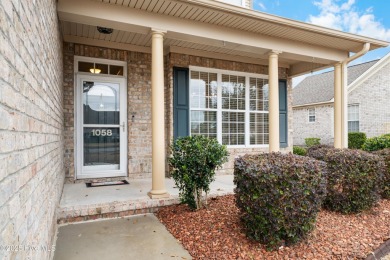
(114, 209)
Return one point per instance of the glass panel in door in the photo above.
(101, 125)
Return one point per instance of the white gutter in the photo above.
(344, 94)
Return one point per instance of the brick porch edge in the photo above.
(118, 209)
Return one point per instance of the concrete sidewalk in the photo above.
(137, 237)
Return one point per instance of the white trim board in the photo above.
(369, 73)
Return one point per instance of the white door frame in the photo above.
(81, 172)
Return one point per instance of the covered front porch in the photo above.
(209, 33)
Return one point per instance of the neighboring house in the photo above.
(368, 102)
(99, 89)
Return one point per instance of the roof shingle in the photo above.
(320, 88)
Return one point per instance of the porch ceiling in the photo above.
(88, 34)
(209, 27)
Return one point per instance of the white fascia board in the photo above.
(314, 104)
(369, 73)
(130, 19)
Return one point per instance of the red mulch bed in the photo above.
(216, 233)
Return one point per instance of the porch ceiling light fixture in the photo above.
(95, 71)
(105, 30)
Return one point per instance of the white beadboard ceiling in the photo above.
(144, 40)
(248, 20)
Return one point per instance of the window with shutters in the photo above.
(229, 106)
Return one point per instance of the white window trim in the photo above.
(227, 2)
(358, 105)
(219, 109)
(308, 115)
(78, 115)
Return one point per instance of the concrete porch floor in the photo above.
(79, 203)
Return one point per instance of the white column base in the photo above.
(158, 194)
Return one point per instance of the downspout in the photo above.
(344, 89)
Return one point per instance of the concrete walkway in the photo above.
(137, 237)
(79, 203)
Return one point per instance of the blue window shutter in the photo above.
(180, 102)
(283, 120)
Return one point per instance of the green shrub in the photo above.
(279, 196)
(193, 163)
(377, 143)
(356, 140)
(385, 154)
(354, 178)
(312, 141)
(299, 150)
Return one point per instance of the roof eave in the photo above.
(375, 43)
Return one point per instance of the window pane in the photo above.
(204, 123)
(353, 118)
(203, 89)
(85, 66)
(101, 103)
(102, 67)
(353, 112)
(101, 146)
(353, 126)
(233, 92)
(258, 128)
(258, 93)
(116, 70)
(312, 115)
(233, 128)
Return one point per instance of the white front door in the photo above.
(101, 127)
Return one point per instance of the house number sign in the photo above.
(101, 132)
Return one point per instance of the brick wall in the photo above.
(31, 126)
(321, 128)
(139, 102)
(373, 97)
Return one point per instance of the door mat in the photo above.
(105, 183)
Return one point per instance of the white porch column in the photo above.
(337, 106)
(158, 128)
(273, 82)
(344, 105)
